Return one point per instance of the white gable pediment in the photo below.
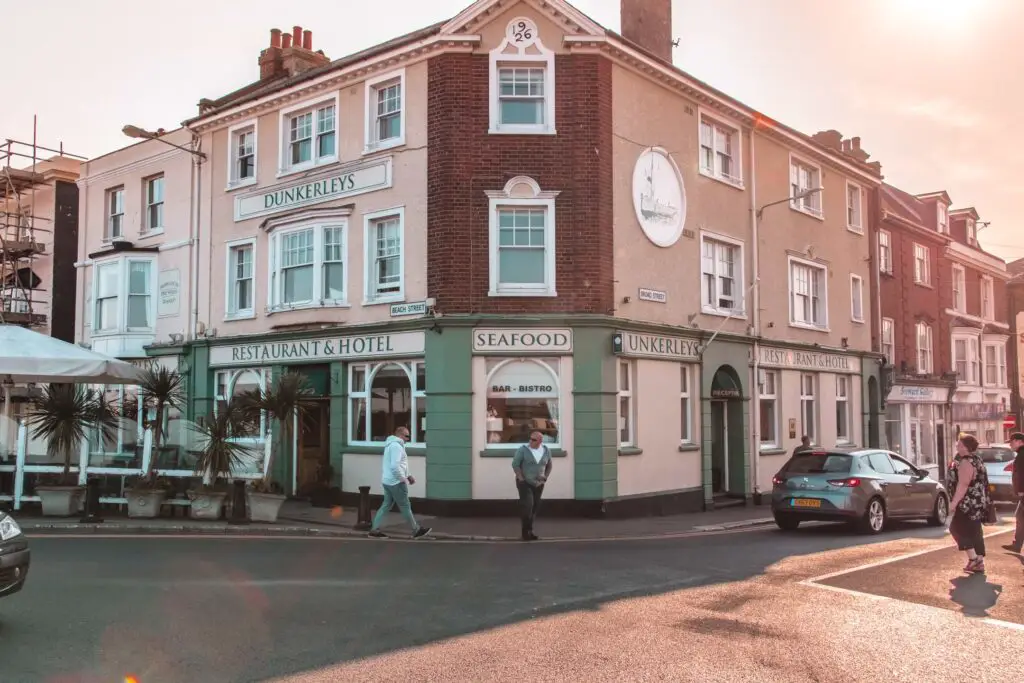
(561, 13)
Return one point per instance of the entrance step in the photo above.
(723, 501)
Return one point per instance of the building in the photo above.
(1015, 315)
(911, 237)
(976, 319)
(518, 220)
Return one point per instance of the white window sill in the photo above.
(248, 182)
(859, 321)
(522, 292)
(736, 183)
(151, 233)
(923, 284)
(286, 308)
(808, 212)
(885, 271)
(522, 130)
(855, 229)
(110, 240)
(306, 167)
(724, 312)
(244, 315)
(383, 146)
(808, 326)
(381, 300)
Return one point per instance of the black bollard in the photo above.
(92, 502)
(363, 521)
(238, 511)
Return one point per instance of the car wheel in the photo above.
(786, 522)
(875, 517)
(940, 512)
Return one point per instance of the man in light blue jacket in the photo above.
(395, 479)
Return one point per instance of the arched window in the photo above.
(386, 396)
(522, 397)
(234, 383)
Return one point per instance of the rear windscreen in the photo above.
(996, 454)
(819, 463)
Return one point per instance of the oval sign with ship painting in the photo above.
(659, 197)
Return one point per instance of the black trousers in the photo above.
(968, 533)
(529, 504)
(1018, 535)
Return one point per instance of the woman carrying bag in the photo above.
(971, 504)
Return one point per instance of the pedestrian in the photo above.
(1017, 444)
(967, 479)
(395, 479)
(532, 465)
(805, 445)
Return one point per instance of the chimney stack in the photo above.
(275, 37)
(287, 41)
(307, 40)
(289, 54)
(648, 23)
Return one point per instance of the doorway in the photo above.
(313, 446)
(719, 446)
(729, 470)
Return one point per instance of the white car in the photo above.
(998, 459)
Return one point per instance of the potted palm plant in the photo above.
(287, 400)
(218, 458)
(61, 415)
(162, 390)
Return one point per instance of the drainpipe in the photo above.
(755, 447)
(195, 219)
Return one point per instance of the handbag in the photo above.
(991, 514)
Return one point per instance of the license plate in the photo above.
(806, 503)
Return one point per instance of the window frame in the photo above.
(552, 365)
(739, 278)
(266, 429)
(511, 198)
(924, 352)
(772, 397)
(685, 405)
(987, 294)
(285, 115)
(972, 232)
(856, 298)
(147, 201)
(858, 227)
(922, 275)
(891, 343)
(800, 205)
(999, 365)
(885, 264)
(110, 215)
(123, 264)
(942, 218)
(823, 294)
(373, 87)
(274, 279)
(628, 393)
(234, 132)
(959, 285)
(845, 399)
(736, 148)
(370, 221)
(500, 58)
(230, 310)
(371, 368)
(812, 399)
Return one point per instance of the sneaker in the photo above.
(377, 533)
(421, 532)
(1012, 548)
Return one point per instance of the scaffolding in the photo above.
(23, 231)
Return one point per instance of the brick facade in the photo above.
(465, 161)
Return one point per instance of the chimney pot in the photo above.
(307, 40)
(275, 37)
(846, 145)
(297, 36)
(856, 142)
(286, 41)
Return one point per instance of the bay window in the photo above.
(308, 266)
(384, 396)
(995, 365)
(123, 291)
(140, 295)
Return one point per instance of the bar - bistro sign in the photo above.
(655, 346)
(354, 180)
(805, 360)
(324, 349)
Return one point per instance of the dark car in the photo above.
(14, 556)
(865, 487)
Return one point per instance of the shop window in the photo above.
(808, 406)
(522, 397)
(230, 385)
(685, 406)
(894, 427)
(843, 419)
(627, 425)
(769, 408)
(385, 396)
(123, 446)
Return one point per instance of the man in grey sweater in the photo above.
(532, 466)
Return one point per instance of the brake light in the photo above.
(778, 481)
(1008, 468)
(851, 483)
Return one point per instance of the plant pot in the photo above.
(145, 503)
(61, 501)
(263, 507)
(207, 504)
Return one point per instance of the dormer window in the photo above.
(972, 232)
(943, 218)
(522, 82)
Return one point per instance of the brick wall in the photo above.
(465, 161)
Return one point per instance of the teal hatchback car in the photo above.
(866, 488)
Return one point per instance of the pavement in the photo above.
(298, 518)
(729, 605)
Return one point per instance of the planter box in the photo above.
(263, 507)
(61, 501)
(208, 505)
(145, 503)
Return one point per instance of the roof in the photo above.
(903, 204)
(1015, 267)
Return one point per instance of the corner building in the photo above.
(518, 220)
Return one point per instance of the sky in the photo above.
(932, 87)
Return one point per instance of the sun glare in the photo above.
(948, 13)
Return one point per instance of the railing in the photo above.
(84, 469)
